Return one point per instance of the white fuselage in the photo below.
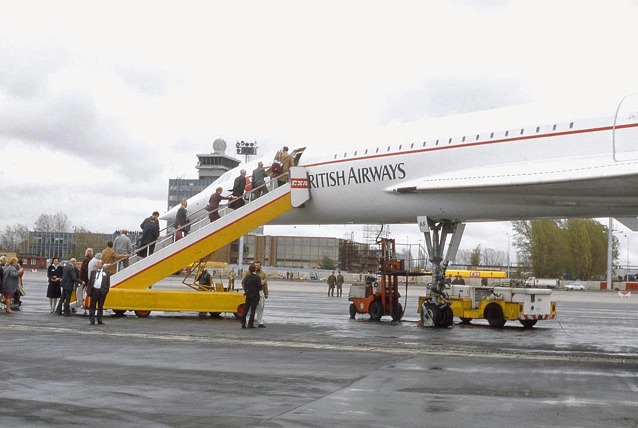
(466, 170)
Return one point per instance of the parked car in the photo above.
(575, 286)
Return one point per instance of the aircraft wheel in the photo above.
(447, 316)
(398, 312)
(353, 311)
(240, 312)
(375, 311)
(494, 315)
(431, 315)
(119, 312)
(142, 314)
(528, 323)
(465, 320)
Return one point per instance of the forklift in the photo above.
(380, 298)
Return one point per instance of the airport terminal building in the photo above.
(301, 252)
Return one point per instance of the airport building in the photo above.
(301, 252)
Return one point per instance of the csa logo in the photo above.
(299, 183)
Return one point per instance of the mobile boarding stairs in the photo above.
(130, 287)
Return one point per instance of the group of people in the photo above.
(279, 169)
(335, 281)
(91, 276)
(11, 272)
(458, 279)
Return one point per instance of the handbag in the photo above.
(21, 291)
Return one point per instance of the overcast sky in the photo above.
(102, 102)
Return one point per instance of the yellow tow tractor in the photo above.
(497, 305)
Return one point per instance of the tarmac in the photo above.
(313, 366)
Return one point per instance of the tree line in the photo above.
(16, 237)
(567, 248)
(563, 248)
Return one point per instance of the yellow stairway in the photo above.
(202, 242)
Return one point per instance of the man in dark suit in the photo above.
(252, 286)
(181, 221)
(98, 288)
(149, 236)
(239, 187)
(69, 278)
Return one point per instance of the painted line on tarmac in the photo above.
(452, 351)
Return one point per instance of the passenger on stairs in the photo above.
(213, 204)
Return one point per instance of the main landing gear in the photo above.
(436, 310)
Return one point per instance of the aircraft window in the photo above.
(388, 148)
(412, 145)
(477, 137)
(462, 140)
(355, 153)
(424, 144)
(554, 128)
(522, 130)
(571, 125)
(345, 154)
(377, 150)
(492, 135)
(449, 141)
(366, 152)
(400, 145)
(437, 143)
(507, 133)
(335, 156)
(538, 128)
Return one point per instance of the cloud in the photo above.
(453, 94)
(70, 122)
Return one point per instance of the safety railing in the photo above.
(163, 241)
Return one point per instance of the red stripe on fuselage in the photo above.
(474, 144)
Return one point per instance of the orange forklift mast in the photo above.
(380, 295)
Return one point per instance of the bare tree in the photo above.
(463, 257)
(15, 238)
(53, 223)
(475, 256)
(492, 257)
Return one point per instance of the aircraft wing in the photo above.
(630, 222)
(567, 177)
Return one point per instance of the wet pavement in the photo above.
(313, 366)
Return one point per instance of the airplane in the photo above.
(515, 163)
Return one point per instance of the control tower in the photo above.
(210, 167)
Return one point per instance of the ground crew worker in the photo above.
(339, 284)
(252, 286)
(263, 293)
(332, 280)
(231, 279)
